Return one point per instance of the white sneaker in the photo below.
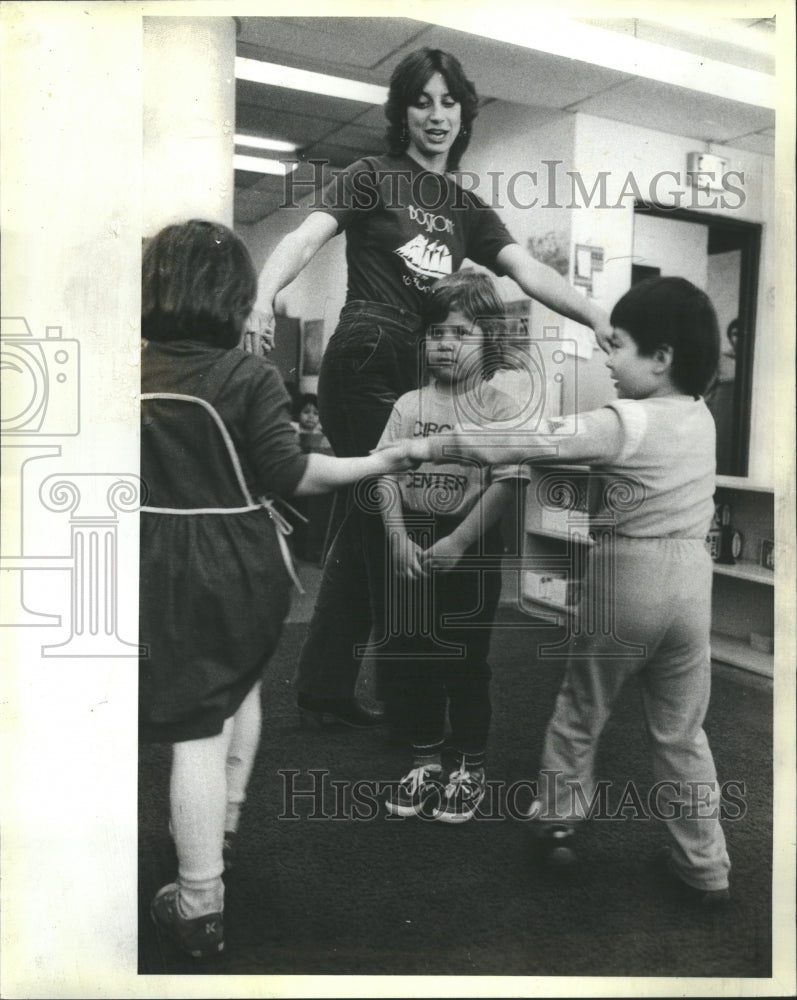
(462, 795)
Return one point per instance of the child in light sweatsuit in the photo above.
(659, 437)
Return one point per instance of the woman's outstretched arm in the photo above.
(549, 287)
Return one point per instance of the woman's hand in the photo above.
(443, 555)
(603, 333)
(259, 332)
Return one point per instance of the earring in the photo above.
(405, 135)
(464, 132)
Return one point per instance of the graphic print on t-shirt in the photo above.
(431, 259)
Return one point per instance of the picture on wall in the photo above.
(312, 346)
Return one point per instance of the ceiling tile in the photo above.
(756, 142)
(360, 138)
(730, 44)
(369, 48)
(264, 122)
(373, 119)
(516, 73)
(362, 42)
(719, 48)
(299, 102)
(672, 109)
(338, 154)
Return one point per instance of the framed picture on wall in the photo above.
(312, 346)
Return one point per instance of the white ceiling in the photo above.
(339, 131)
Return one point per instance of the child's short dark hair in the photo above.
(406, 85)
(305, 399)
(197, 282)
(473, 293)
(673, 312)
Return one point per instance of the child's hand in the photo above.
(406, 557)
(443, 555)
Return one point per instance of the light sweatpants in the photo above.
(661, 603)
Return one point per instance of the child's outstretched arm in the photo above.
(326, 472)
(588, 438)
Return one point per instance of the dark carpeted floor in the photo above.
(379, 896)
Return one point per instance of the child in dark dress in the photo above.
(217, 447)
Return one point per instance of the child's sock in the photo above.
(199, 897)
(244, 740)
(427, 754)
(427, 760)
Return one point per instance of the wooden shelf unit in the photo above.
(743, 592)
(743, 600)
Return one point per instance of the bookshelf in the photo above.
(743, 599)
(743, 589)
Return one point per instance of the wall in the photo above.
(679, 248)
(319, 291)
(621, 150)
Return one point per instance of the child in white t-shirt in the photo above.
(441, 611)
(655, 447)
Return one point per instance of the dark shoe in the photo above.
(337, 711)
(706, 898)
(201, 937)
(555, 845)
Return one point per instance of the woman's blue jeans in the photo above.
(372, 358)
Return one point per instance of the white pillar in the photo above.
(78, 192)
(188, 84)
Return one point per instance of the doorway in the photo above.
(720, 256)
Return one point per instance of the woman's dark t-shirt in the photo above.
(407, 227)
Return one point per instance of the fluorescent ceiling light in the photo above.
(601, 47)
(312, 83)
(255, 142)
(261, 165)
(758, 38)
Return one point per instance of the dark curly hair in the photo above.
(406, 85)
(675, 313)
(197, 283)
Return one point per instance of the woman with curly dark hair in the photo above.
(408, 222)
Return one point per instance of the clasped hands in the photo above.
(412, 562)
